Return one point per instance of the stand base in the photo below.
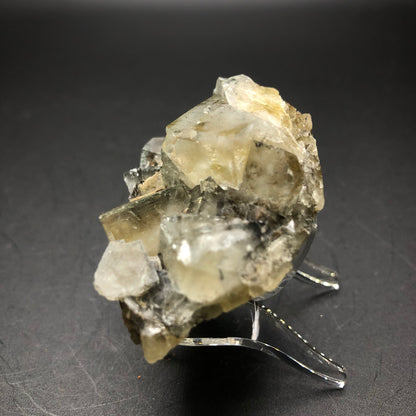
(273, 336)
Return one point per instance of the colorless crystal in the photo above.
(150, 163)
(132, 178)
(151, 153)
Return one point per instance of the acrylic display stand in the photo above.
(271, 335)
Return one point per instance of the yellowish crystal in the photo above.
(221, 206)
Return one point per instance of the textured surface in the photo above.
(236, 190)
(71, 92)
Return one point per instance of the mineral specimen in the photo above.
(218, 210)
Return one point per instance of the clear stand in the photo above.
(273, 336)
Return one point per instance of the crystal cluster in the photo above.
(218, 210)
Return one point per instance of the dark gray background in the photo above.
(82, 90)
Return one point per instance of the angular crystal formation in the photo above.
(140, 218)
(151, 156)
(207, 257)
(125, 270)
(218, 211)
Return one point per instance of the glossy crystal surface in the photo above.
(224, 203)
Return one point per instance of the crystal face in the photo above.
(218, 210)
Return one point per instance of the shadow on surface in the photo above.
(232, 381)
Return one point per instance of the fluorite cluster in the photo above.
(218, 210)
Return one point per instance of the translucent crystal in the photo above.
(132, 178)
(245, 137)
(140, 219)
(221, 205)
(136, 179)
(125, 270)
(151, 153)
(207, 258)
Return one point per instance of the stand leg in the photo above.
(273, 336)
(318, 275)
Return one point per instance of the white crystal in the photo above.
(125, 270)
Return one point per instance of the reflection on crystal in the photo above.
(221, 206)
(151, 153)
(206, 258)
